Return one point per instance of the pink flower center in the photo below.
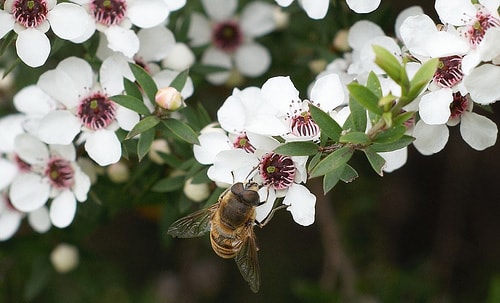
(459, 105)
(301, 122)
(476, 31)
(96, 112)
(108, 12)
(60, 173)
(449, 71)
(227, 36)
(277, 170)
(243, 142)
(30, 13)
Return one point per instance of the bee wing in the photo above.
(248, 262)
(193, 225)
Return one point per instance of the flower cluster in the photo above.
(129, 85)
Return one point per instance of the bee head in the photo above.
(247, 192)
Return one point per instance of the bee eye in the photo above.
(250, 196)
(237, 188)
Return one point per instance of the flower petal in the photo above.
(113, 69)
(315, 9)
(6, 23)
(33, 47)
(24, 101)
(482, 84)
(59, 127)
(39, 220)
(410, 11)
(200, 30)
(301, 204)
(10, 127)
(122, 40)
(328, 92)
(63, 209)
(126, 118)
(213, 56)
(478, 131)
(155, 43)
(28, 192)
(9, 171)
(434, 107)
(146, 14)
(9, 224)
(363, 31)
(454, 14)
(79, 71)
(263, 211)
(82, 184)
(210, 145)
(68, 20)
(103, 147)
(280, 92)
(363, 6)
(394, 159)
(174, 5)
(220, 10)
(430, 139)
(30, 149)
(252, 59)
(257, 19)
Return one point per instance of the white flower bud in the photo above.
(64, 258)
(169, 98)
(118, 172)
(159, 145)
(340, 41)
(196, 192)
(317, 66)
(281, 18)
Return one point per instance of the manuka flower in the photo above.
(231, 38)
(32, 19)
(52, 173)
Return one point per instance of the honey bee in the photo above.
(230, 222)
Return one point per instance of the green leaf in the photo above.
(313, 162)
(402, 118)
(169, 184)
(143, 125)
(326, 123)
(390, 135)
(332, 162)
(388, 62)
(8, 39)
(345, 173)
(180, 80)
(395, 145)
(349, 174)
(373, 84)
(297, 149)
(364, 96)
(201, 176)
(355, 138)
(376, 161)
(39, 278)
(144, 144)
(422, 77)
(131, 89)
(132, 103)
(357, 119)
(181, 130)
(145, 81)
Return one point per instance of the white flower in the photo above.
(115, 18)
(11, 218)
(317, 9)
(53, 174)
(85, 109)
(231, 38)
(31, 22)
(279, 92)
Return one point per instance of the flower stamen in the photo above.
(30, 13)
(96, 112)
(108, 12)
(277, 170)
(60, 173)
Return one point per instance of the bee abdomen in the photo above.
(225, 244)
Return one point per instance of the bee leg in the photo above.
(269, 217)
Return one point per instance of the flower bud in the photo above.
(64, 258)
(340, 42)
(118, 172)
(196, 192)
(281, 18)
(158, 145)
(169, 98)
